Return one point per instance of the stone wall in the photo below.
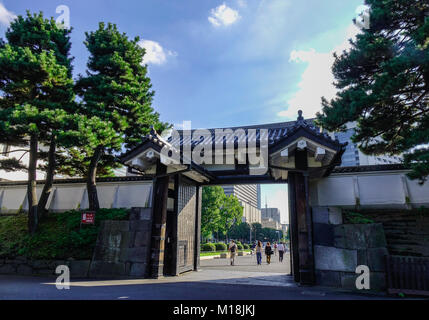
(123, 247)
(340, 248)
(24, 266)
(122, 250)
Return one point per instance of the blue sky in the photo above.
(221, 63)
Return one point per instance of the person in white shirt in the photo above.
(281, 249)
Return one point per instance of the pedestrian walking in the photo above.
(282, 250)
(232, 251)
(252, 248)
(258, 250)
(275, 248)
(268, 252)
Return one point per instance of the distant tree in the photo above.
(212, 201)
(240, 231)
(231, 213)
(383, 83)
(116, 89)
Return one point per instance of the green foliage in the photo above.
(219, 212)
(60, 236)
(246, 246)
(356, 218)
(208, 247)
(220, 246)
(116, 89)
(240, 246)
(383, 83)
(240, 231)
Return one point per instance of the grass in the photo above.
(59, 236)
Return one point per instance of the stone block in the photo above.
(102, 269)
(127, 238)
(40, 264)
(377, 282)
(141, 214)
(376, 236)
(223, 255)
(335, 259)
(351, 236)
(138, 269)
(139, 254)
(335, 215)
(320, 214)
(107, 254)
(140, 225)
(119, 226)
(376, 259)
(142, 239)
(323, 234)
(7, 269)
(24, 269)
(79, 268)
(348, 280)
(328, 278)
(362, 257)
(240, 253)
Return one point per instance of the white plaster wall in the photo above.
(74, 196)
(374, 190)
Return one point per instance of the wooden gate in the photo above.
(408, 275)
(186, 225)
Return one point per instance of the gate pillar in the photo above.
(159, 219)
(301, 232)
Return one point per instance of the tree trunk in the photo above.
(31, 187)
(91, 180)
(47, 188)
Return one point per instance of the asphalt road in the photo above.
(34, 288)
(217, 280)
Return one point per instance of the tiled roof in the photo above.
(378, 167)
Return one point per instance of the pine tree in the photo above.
(383, 83)
(37, 91)
(116, 89)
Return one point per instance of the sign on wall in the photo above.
(88, 217)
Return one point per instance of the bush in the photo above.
(356, 218)
(208, 247)
(59, 235)
(239, 246)
(246, 246)
(221, 246)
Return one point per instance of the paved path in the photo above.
(216, 281)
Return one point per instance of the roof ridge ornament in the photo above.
(300, 120)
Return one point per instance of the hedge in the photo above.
(207, 247)
(59, 236)
(246, 246)
(239, 246)
(221, 246)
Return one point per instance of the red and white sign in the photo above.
(88, 217)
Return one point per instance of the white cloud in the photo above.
(155, 53)
(317, 79)
(6, 17)
(242, 3)
(223, 16)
